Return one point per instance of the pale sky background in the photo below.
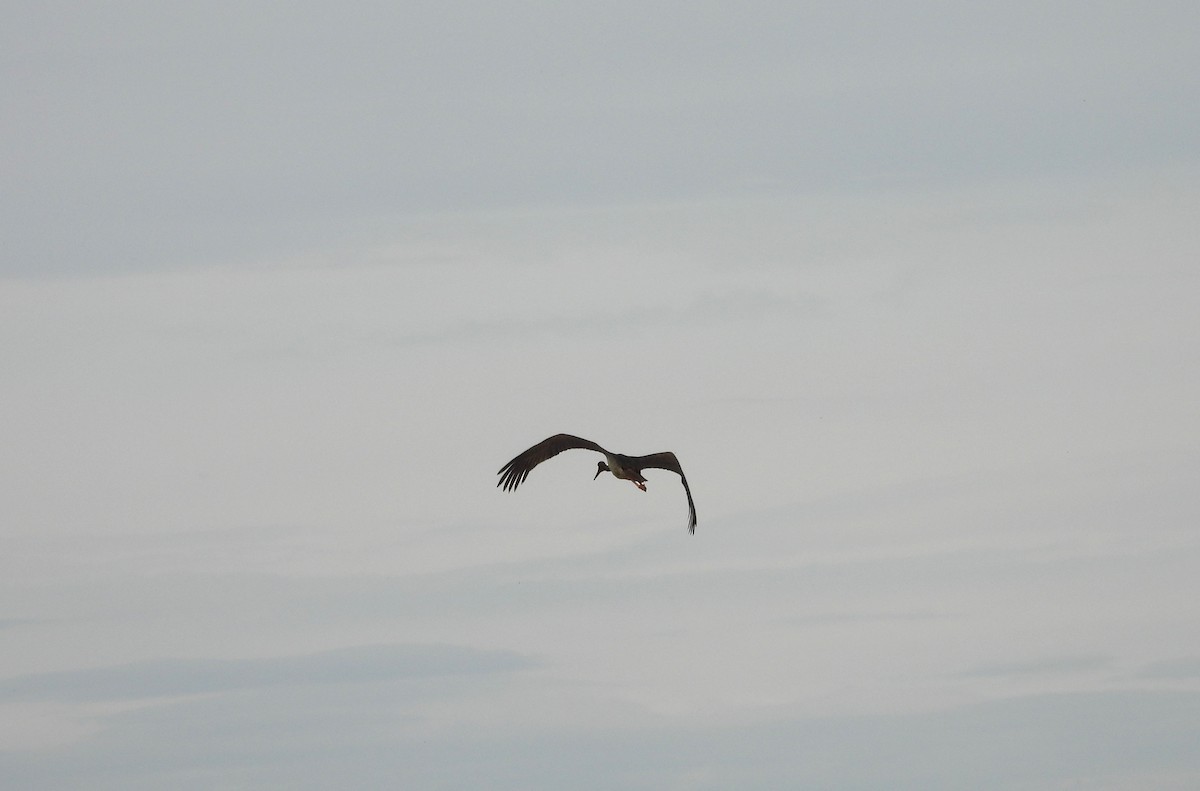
(911, 289)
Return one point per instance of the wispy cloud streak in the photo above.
(172, 677)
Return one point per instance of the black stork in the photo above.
(628, 468)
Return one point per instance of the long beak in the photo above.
(597, 475)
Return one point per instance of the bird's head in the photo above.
(600, 467)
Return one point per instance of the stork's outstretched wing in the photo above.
(667, 461)
(517, 470)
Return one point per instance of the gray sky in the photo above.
(910, 290)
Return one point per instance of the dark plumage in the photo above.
(627, 468)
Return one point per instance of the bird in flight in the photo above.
(628, 468)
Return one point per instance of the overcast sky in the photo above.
(910, 289)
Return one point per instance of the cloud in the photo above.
(173, 677)
(411, 109)
(1050, 666)
(322, 738)
(1184, 668)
